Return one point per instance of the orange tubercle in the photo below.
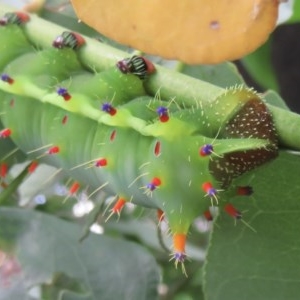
(179, 242)
(119, 205)
(74, 188)
(179, 256)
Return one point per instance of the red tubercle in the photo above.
(102, 162)
(3, 170)
(113, 135)
(32, 167)
(74, 188)
(112, 111)
(12, 102)
(206, 150)
(157, 148)
(6, 132)
(208, 188)
(61, 91)
(53, 150)
(232, 211)
(208, 216)
(108, 108)
(210, 191)
(156, 181)
(163, 114)
(65, 119)
(164, 118)
(244, 190)
(67, 97)
(118, 206)
(153, 184)
(6, 78)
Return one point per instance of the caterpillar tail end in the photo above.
(179, 255)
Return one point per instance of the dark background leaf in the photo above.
(104, 268)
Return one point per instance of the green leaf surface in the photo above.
(296, 13)
(259, 66)
(103, 268)
(262, 265)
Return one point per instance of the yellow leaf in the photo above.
(193, 31)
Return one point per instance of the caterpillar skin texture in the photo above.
(104, 130)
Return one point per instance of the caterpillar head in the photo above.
(17, 18)
(68, 39)
(137, 65)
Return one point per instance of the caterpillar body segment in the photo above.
(36, 73)
(107, 86)
(106, 131)
(10, 50)
(179, 166)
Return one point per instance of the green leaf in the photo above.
(259, 66)
(100, 267)
(246, 265)
(296, 13)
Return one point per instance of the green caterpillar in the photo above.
(156, 153)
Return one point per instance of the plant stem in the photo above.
(168, 84)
